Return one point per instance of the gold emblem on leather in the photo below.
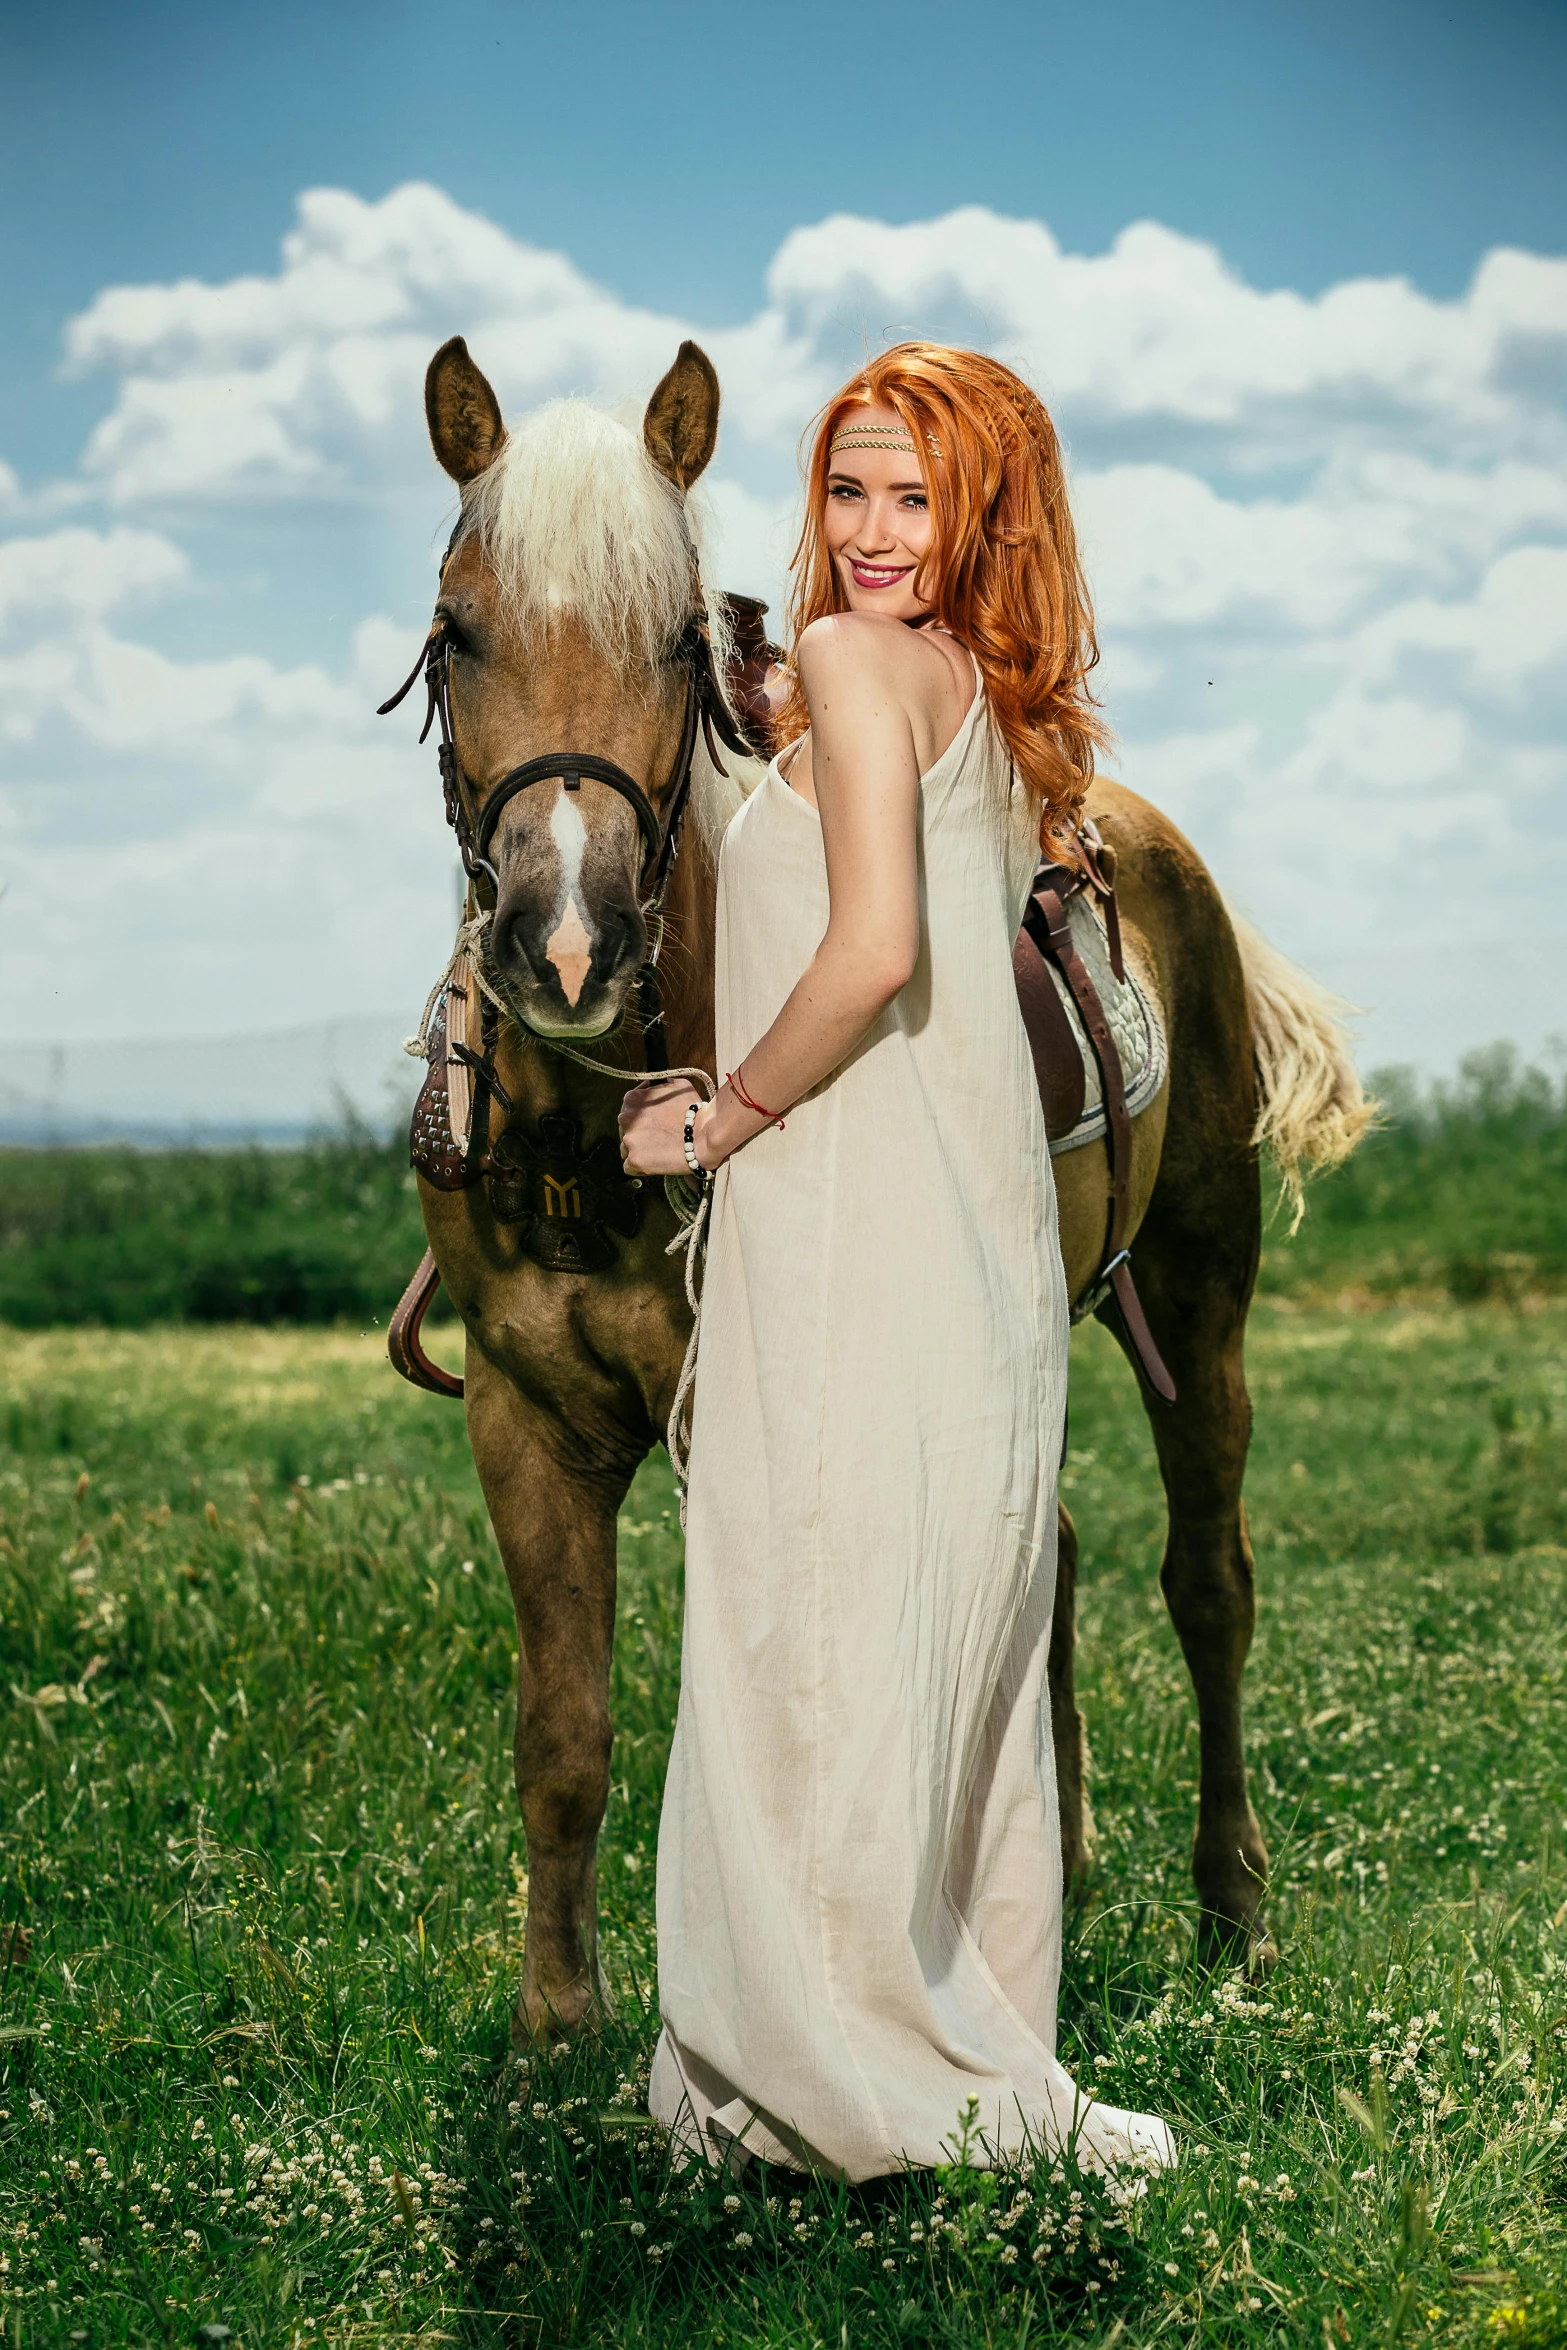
(568, 1201)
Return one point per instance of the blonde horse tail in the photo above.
(1312, 1109)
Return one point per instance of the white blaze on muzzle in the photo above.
(570, 945)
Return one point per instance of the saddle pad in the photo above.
(1133, 1020)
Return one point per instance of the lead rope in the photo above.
(691, 1203)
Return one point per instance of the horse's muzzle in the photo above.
(567, 973)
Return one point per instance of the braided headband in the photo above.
(879, 436)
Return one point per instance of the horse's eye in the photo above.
(458, 637)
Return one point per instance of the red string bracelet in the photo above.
(732, 1079)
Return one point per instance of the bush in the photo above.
(1462, 1188)
(128, 1237)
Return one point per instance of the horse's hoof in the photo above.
(539, 2022)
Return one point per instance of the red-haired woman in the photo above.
(859, 1897)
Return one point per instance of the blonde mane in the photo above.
(575, 516)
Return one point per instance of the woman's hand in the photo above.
(652, 1127)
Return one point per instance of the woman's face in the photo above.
(878, 520)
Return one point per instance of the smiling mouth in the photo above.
(879, 575)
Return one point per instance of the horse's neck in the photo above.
(685, 963)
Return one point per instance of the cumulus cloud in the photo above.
(300, 383)
(83, 574)
(1328, 537)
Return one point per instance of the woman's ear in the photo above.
(464, 415)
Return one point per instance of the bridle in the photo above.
(706, 710)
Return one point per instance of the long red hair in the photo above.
(1003, 573)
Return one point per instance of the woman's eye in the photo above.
(917, 502)
(845, 491)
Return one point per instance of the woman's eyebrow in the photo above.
(837, 474)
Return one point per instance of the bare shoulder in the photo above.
(844, 639)
(843, 649)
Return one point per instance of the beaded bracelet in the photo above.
(688, 1143)
(732, 1079)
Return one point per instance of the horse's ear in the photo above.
(466, 431)
(681, 423)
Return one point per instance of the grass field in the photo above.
(257, 1815)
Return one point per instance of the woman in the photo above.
(859, 1897)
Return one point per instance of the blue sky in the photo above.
(1339, 504)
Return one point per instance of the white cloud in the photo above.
(83, 573)
(1167, 548)
(1510, 634)
(1328, 536)
(302, 382)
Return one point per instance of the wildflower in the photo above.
(1170, 2269)
(731, 2203)
(637, 2228)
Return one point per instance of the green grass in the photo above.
(255, 1807)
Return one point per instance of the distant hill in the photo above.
(274, 1085)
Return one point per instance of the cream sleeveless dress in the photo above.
(859, 1871)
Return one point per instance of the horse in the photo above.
(571, 594)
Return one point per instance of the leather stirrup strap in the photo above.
(1047, 910)
(403, 1341)
(1062, 948)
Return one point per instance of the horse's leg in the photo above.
(1196, 1259)
(554, 1518)
(1066, 1723)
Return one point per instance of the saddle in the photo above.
(568, 1205)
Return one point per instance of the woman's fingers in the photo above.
(652, 1120)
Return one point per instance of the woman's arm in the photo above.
(866, 681)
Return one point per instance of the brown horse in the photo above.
(572, 579)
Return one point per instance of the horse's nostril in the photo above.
(510, 947)
(565, 951)
(622, 938)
